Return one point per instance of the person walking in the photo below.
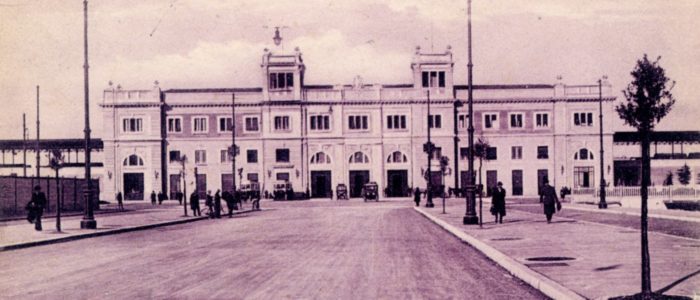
(194, 204)
(161, 197)
(416, 196)
(549, 200)
(498, 202)
(209, 202)
(217, 204)
(179, 195)
(228, 198)
(35, 208)
(153, 197)
(120, 201)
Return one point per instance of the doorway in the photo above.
(133, 186)
(491, 181)
(398, 183)
(357, 181)
(202, 186)
(517, 182)
(320, 184)
(174, 185)
(542, 175)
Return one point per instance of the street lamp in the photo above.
(233, 151)
(602, 204)
(470, 217)
(456, 105)
(183, 160)
(429, 148)
(88, 221)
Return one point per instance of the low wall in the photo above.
(16, 192)
(631, 196)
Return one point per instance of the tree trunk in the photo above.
(646, 174)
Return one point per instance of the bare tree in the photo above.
(481, 152)
(648, 100)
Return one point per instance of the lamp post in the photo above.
(470, 217)
(88, 221)
(429, 148)
(456, 105)
(183, 161)
(602, 204)
(233, 149)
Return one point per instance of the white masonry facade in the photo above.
(319, 136)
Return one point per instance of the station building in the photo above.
(318, 136)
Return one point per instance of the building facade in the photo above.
(319, 136)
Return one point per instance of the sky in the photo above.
(219, 43)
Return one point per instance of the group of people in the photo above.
(160, 197)
(213, 203)
(548, 198)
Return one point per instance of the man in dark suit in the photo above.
(153, 197)
(36, 207)
(549, 200)
(194, 204)
(498, 202)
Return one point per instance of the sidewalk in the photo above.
(569, 257)
(21, 234)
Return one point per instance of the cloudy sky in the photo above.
(218, 43)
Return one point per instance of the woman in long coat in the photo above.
(498, 202)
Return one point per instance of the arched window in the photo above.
(397, 157)
(320, 158)
(583, 154)
(359, 158)
(133, 160)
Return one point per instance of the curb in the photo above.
(105, 232)
(636, 214)
(540, 282)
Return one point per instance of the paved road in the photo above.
(673, 227)
(311, 250)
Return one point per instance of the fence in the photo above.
(16, 192)
(667, 192)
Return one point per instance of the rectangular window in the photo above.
(174, 156)
(435, 121)
(200, 156)
(464, 153)
(541, 120)
(225, 124)
(174, 124)
(583, 119)
(199, 125)
(320, 122)
(358, 122)
(132, 125)
(251, 124)
(433, 79)
(281, 80)
(252, 156)
(491, 153)
(396, 122)
(490, 121)
(252, 177)
(516, 152)
(282, 176)
(516, 121)
(281, 123)
(225, 156)
(282, 155)
(542, 152)
(462, 121)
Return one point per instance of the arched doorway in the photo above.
(320, 175)
(397, 175)
(133, 177)
(359, 175)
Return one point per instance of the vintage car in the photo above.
(341, 191)
(370, 191)
(281, 190)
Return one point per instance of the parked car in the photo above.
(341, 191)
(370, 191)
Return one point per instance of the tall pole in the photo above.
(429, 177)
(233, 145)
(470, 215)
(24, 144)
(88, 221)
(602, 204)
(36, 147)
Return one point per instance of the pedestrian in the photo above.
(498, 202)
(549, 200)
(161, 197)
(217, 203)
(120, 201)
(228, 198)
(194, 204)
(179, 195)
(209, 202)
(416, 196)
(153, 197)
(35, 208)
